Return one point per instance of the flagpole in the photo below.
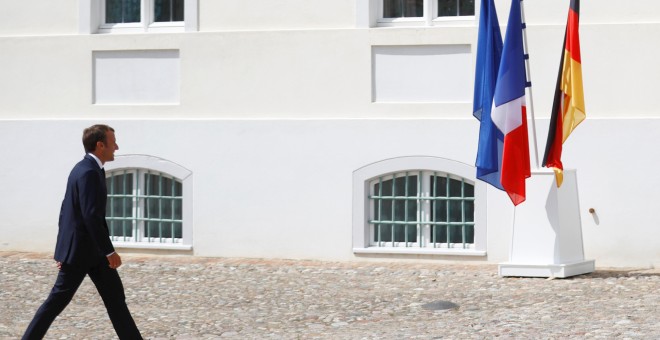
(529, 82)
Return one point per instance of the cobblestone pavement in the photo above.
(208, 298)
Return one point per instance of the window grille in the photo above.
(422, 209)
(144, 206)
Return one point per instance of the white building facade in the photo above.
(329, 129)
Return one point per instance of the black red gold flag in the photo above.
(568, 105)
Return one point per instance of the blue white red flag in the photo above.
(509, 112)
(489, 54)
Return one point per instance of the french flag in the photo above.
(489, 55)
(509, 111)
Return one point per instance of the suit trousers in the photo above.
(69, 278)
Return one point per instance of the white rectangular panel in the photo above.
(430, 73)
(136, 77)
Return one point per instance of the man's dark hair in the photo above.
(94, 134)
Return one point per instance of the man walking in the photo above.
(83, 241)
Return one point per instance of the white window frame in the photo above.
(370, 14)
(141, 164)
(92, 19)
(363, 177)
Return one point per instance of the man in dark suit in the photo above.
(83, 241)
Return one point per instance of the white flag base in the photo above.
(547, 230)
(548, 270)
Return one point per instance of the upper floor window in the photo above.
(142, 14)
(127, 16)
(127, 11)
(423, 12)
(455, 8)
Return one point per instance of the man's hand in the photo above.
(114, 260)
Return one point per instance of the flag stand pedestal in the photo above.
(547, 230)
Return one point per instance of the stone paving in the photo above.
(209, 298)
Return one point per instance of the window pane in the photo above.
(168, 10)
(122, 11)
(397, 209)
(113, 11)
(466, 8)
(400, 232)
(452, 8)
(440, 188)
(119, 208)
(455, 211)
(447, 8)
(439, 234)
(383, 210)
(456, 234)
(439, 211)
(178, 230)
(162, 206)
(122, 228)
(469, 234)
(152, 229)
(455, 188)
(155, 229)
(469, 211)
(383, 232)
(403, 8)
(469, 190)
(178, 210)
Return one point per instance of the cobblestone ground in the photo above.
(203, 298)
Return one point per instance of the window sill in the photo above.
(163, 246)
(420, 251)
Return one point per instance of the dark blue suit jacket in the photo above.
(83, 238)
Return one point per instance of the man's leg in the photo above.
(68, 280)
(111, 289)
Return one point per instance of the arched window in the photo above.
(147, 203)
(419, 205)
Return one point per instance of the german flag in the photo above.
(568, 106)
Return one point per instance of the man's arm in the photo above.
(92, 206)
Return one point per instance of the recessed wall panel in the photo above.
(429, 73)
(136, 77)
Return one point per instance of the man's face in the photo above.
(106, 151)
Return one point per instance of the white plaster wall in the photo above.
(38, 17)
(273, 121)
(47, 17)
(269, 15)
(311, 74)
(283, 188)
